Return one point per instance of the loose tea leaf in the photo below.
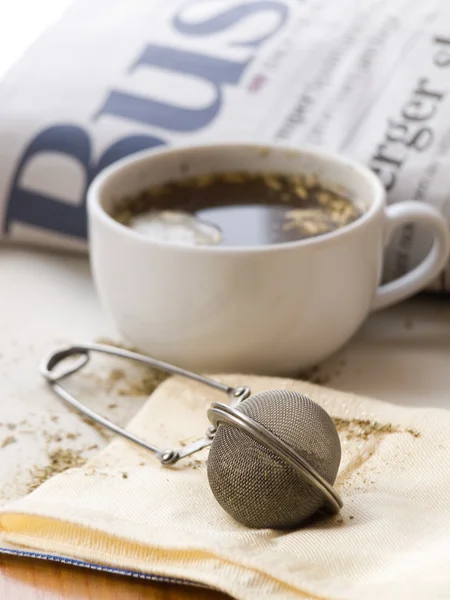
(59, 461)
(8, 441)
(365, 428)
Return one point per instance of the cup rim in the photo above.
(96, 186)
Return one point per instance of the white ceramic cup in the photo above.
(271, 310)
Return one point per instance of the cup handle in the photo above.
(407, 285)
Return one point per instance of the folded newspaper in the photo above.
(85, 83)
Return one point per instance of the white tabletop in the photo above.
(401, 355)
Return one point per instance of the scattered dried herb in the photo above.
(143, 386)
(52, 437)
(315, 375)
(413, 432)
(116, 375)
(8, 441)
(365, 428)
(59, 461)
(99, 428)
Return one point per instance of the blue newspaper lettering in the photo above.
(36, 209)
(173, 117)
(45, 212)
(232, 16)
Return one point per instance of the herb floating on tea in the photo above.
(238, 208)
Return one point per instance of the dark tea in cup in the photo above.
(237, 209)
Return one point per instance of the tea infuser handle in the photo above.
(166, 457)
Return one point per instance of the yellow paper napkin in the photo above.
(122, 509)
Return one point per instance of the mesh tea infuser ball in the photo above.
(274, 459)
(274, 456)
